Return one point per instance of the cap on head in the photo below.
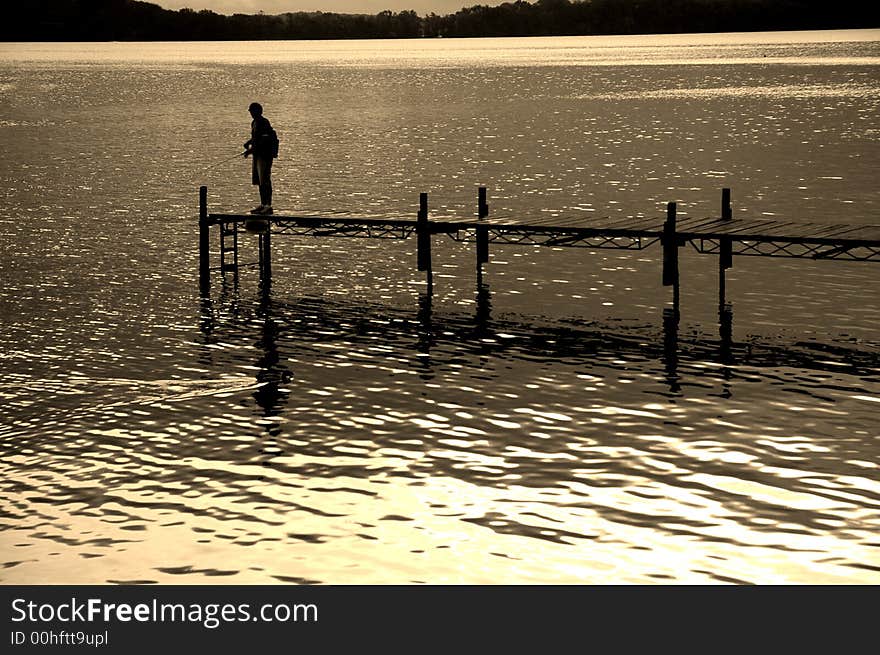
(256, 108)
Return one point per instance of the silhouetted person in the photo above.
(261, 145)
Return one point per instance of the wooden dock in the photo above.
(722, 235)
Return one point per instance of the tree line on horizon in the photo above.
(133, 20)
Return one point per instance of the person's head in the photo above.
(256, 109)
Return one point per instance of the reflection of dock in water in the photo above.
(264, 327)
(430, 339)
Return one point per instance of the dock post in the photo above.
(670, 247)
(482, 232)
(725, 259)
(423, 232)
(671, 315)
(204, 247)
(670, 254)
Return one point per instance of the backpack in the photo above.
(268, 141)
(272, 142)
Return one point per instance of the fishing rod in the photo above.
(241, 154)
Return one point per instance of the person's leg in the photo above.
(267, 183)
(264, 171)
(255, 180)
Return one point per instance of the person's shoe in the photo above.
(257, 210)
(267, 209)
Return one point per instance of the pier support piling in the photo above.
(671, 315)
(204, 246)
(482, 232)
(423, 232)
(725, 258)
(670, 254)
(670, 247)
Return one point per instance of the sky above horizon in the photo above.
(421, 7)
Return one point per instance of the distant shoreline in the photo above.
(127, 20)
(866, 38)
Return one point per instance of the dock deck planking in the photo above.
(692, 228)
(691, 223)
(736, 229)
(723, 227)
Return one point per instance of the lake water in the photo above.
(352, 429)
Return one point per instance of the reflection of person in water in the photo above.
(270, 396)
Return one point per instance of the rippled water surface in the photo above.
(551, 426)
